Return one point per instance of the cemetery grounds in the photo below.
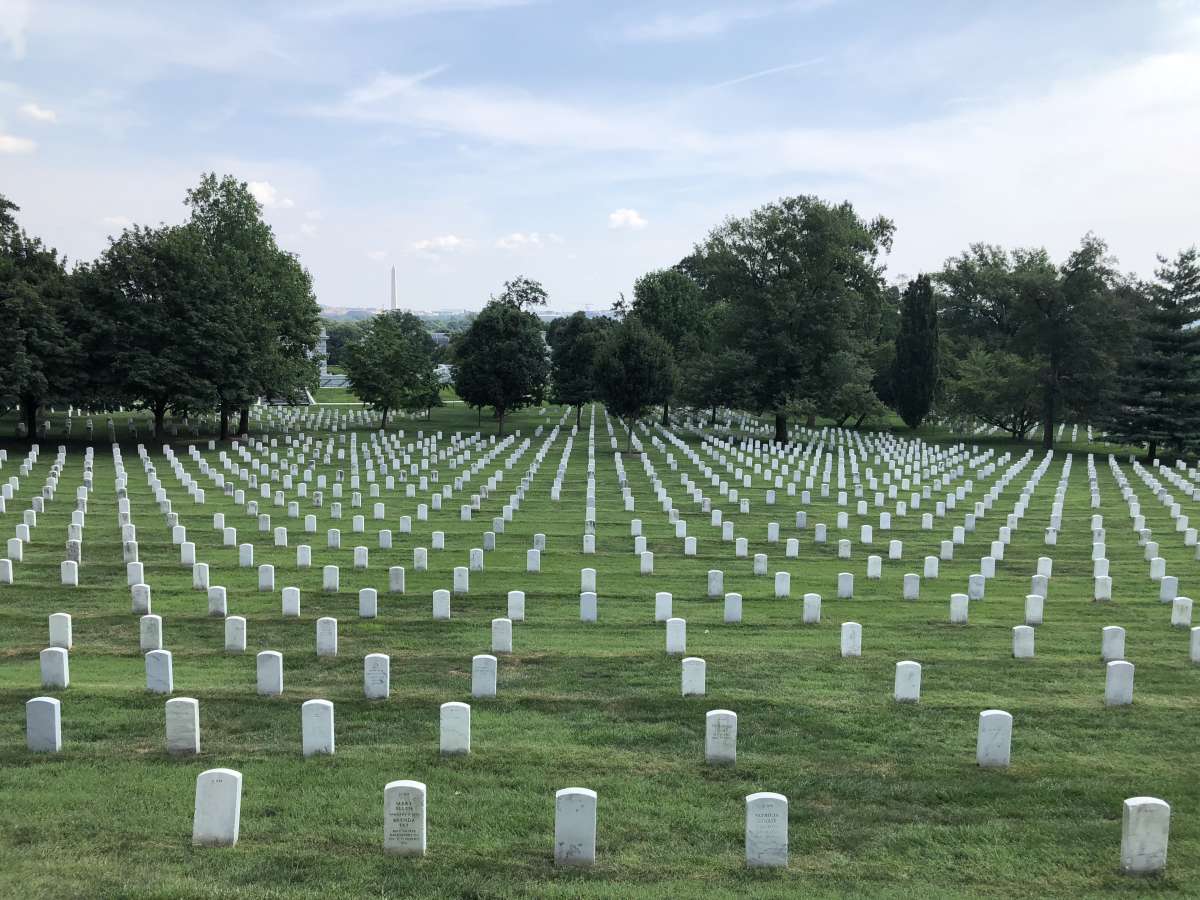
(885, 799)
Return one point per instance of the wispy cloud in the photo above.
(709, 23)
(629, 219)
(38, 113)
(383, 9)
(14, 21)
(116, 221)
(268, 195)
(12, 144)
(774, 70)
(527, 240)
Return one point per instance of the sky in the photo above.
(584, 143)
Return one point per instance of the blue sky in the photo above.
(584, 143)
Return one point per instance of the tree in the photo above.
(803, 282)
(634, 370)
(152, 296)
(709, 380)
(39, 358)
(572, 348)
(264, 322)
(998, 387)
(1063, 320)
(669, 303)
(1160, 393)
(338, 335)
(522, 293)
(915, 373)
(391, 365)
(501, 360)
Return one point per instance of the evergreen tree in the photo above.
(1160, 394)
(915, 375)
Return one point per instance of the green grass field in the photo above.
(885, 799)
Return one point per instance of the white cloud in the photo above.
(527, 240)
(626, 218)
(116, 221)
(267, 194)
(669, 27)
(314, 215)
(39, 113)
(377, 255)
(444, 243)
(308, 229)
(12, 144)
(14, 20)
(338, 9)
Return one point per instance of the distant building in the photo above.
(440, 338)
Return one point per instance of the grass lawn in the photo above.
(885, 799)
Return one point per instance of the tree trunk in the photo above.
(244, 421)
(628, 437)
(479, 417)
(1151, 450)
(1048, 419)
(666, 414)
(160, 415)
(781, 428)
(383, 424)
(29, 411)
(858, 422)
(224, 422)
(811, 421)
(500, 416)
(713, 423)
(842, 420)
(579, 416)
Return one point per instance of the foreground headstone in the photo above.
(1118, 683)
(43, 725)
(377, 676)
(404, 818)
(270, 673)
(693, 676)
(575, 827)
(316, 725)
(56, 670)
(908, 682)
(183, 725)
(1145, 827)
(455, 728)
(218, 813)
(766, 830)
(720, 737)
(483, 675)
(993, 744)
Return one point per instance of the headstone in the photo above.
(160, 672)
(851, 639)
(327, 636)
(1118, 683)
(693, 680)
(316, 725)
(377, 676)
(441, 605)
(1022, 642)
(235, 634)
(455, 729)
(575, 827)
(55, 667)
(766, 830)
(502, 641)
(720, 737)
(1145, 827)
(404, 817)
(1112, 643)
(483, 675)
(218, 810)
(183, 725)
(993, 743)
(60, 630)
(269, 664)
(908, 682)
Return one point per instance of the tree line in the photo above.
(207, 315)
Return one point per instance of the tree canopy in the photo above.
(501, 360)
